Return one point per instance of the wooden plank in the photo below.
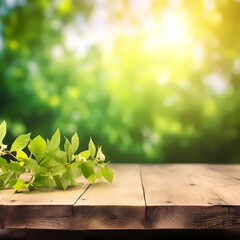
(177, 196)
(103, 206)
(190, 196)
(46, 209)
(119, 205)
(230, 170)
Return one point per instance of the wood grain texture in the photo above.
(191, 196)
(160, 196)
(117, 205)
(46, 209)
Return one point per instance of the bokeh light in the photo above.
(151, 81)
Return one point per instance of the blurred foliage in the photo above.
(152, 81)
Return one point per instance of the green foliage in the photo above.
(68, 149)
(47, 165)
(3, 129)
(107, 173)
(21, 142)
(88, 171)
(155, 81)
(75, 142)
(37, 147)
(55, 141)
(91, 148)
(15, 167)
(19, 185)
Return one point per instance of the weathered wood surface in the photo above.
(117, 205)
(192, 196)
(39, 209)
(160, 196)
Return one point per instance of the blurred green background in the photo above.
(150, 81)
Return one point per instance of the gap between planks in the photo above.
(82, 194)
(117, 205)
(144, 196)
(138, 198)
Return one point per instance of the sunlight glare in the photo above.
(174, 29)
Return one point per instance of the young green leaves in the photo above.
(47, 165)
(107, 173)
(75, 142)
(91, 148)
(3, 130)
(54, 143)
(38, 147)
(68, 149)
(21, 142)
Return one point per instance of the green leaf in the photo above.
(60, 157)
(47, 161)
(12, 182)
(99, 174)
(20, 184)
(99, 151)
(21, 155)
(1, 184)
(76, 171)
(66, 177)
(43, 171)
(64, 183)
(6, 176)
(75, 142)
(31, 187)
(69, 149)
(41, 181)
(88, 171)
(91, 148)
(3, 130)
(57, 180)
(21, 142)
(100, 164)
(37, 147)
(85, 154)
(50, 182)
(32, 165)
(57, 155)
(107, 173)
(54, 143)
(74, 183)
(15, 167)
(2, 161)
(57, 170)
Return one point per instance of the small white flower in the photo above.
(3, 146)
(102, 157)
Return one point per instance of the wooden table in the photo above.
(160, 196)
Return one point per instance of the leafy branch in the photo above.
(47, 165)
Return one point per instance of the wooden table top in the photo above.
(159, 196)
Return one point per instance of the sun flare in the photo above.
(174, 30)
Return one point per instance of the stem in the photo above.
(9, 153)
